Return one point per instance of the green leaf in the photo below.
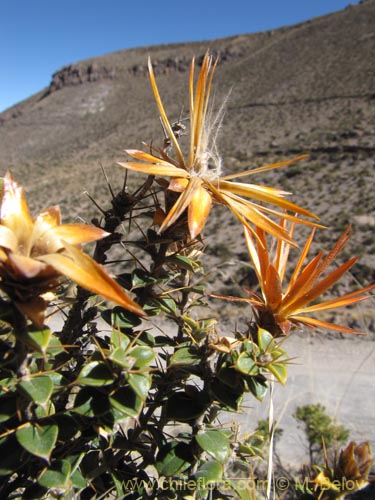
(173, 458)
(56, 476)
(240, 487)
(55, 346)
(166, 305)
(120, 485)
(78, 480)
(95, 374)
(90, 402)
(37, 389)
(183, 262)
(38, 339)
(143, 355)
(38, 439)
(7, 383)
(184, 407)
(121, 358)
(185, 356)
(279, 370)
(144, 338)
(257, 387)
(249, 450)
(228, 375)
(208, 473)
(126, 401)
(251, 348)
(246, 364)
(215, 443)
(141, 279)
(119, 340)
(140, 383)
(120, 318)
(198, 329)
(265, 340)
(230, 398)
(46, 410)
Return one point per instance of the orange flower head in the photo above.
(197, 175)
(349, 474)
(290, 305)
(355, 463)
(36, 252)
(280, 307)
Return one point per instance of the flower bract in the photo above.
(281, 306)
(36, 252)
(197, 175)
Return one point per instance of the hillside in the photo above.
(308, 88)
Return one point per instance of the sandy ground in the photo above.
(339, 374)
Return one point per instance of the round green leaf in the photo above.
(279, 370)
(143, 355)
(251, 348)
(119, 339)
(173, 458)
(184, 407)
(208, 473)
(246, 364)
(141, 279)
(45, 410)
(120, 357)
(185, 356)
(265, 340)
(56, 476)
(78, 480)
(229, 397)
(121, 318)
(95, 374)
(39, 440)
(39, 339)
(140, 383)
(126, 401)
(215, 443)
(37, 389)
(90, 402)
(257, 387)
(166, 305)
(55, 346)
(228, 375)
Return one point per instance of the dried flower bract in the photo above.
(36, 252)
(197, 175)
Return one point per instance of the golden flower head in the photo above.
(355, 462)
(197, 174)
(349, 474)
(279, 307)
(36, 252)
(291, 304)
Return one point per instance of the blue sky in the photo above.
(37, 37)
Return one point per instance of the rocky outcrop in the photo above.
(182, 63)
(76, 74)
